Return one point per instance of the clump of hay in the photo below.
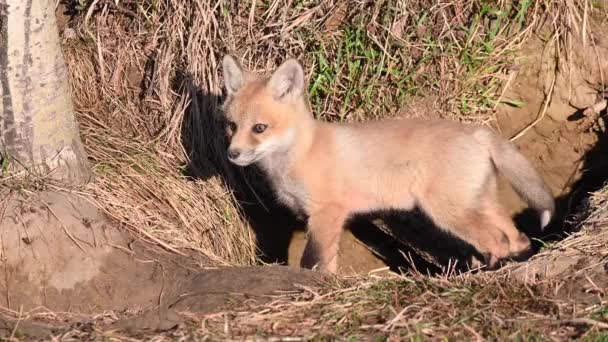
(132, 83)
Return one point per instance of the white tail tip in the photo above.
(545, 218)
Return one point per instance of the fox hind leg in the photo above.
(519, 243)
(477, 229)
(474, 226)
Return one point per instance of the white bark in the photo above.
(38, 128)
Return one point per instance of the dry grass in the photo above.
(582, 252)
(127, 77)
(570, 305)
(366, 60)
(412, 309)
(388, 307)
(415, 308)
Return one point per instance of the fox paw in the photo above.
(521, 249)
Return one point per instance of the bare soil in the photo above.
(60, 254)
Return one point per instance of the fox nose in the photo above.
(233, 153)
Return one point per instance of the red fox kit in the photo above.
(330, 171)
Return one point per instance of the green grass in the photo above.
(367, 69)
(601, 313)
(354, 72)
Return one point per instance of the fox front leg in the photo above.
(324, 232)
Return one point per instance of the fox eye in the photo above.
(259, 128)
(231, 126)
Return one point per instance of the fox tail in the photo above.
(524, 178)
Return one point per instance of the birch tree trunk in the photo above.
(38, 128)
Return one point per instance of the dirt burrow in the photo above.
(557, 146)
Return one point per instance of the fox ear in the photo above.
(287, 80)
(233, 74)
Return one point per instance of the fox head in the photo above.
(262, 113)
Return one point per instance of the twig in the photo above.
(587, 321)
(397, 318)
(504, 89)
(63, 226)
(156, 240)
(472, 331)
(585, 25)
(19, 319)
(121, 248)
(101, 60)
(90, 12)
(251, 20)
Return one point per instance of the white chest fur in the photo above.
(290, 193)
(288, 190)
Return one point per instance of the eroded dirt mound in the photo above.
(60, 254)
(212, 291)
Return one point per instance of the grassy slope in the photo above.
(363, 62)
(147, 87)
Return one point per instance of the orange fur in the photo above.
(330, 171)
